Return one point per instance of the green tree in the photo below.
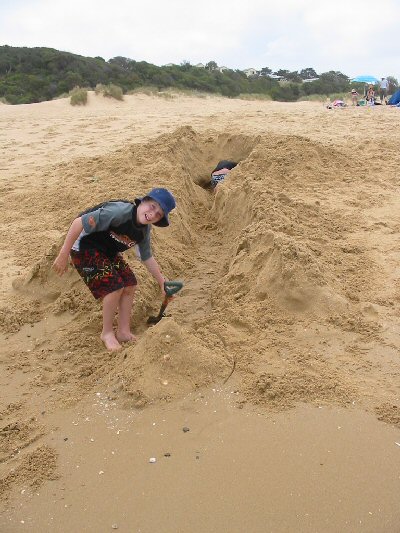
(124, 63)
(289, 92)
(393, 83)
(71, 80)
(162, 80)
(282, 73)
(328, 83)
(211, 65)
(265, 71)
(308, 74)
(293, 76)
(185, 64)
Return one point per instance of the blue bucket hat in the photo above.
(166, 201)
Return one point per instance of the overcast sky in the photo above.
(352, 36)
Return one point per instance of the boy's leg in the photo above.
(110, 305)
(128, 279)
(124, 333)
(114, 282)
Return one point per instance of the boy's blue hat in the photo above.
(166, 201)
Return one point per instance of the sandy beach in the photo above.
(269, 397)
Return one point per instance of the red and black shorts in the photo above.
(101, 274)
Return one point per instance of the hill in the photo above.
(31, 75)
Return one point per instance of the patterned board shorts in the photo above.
(217, 178)
(101, 274)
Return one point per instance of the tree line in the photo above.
(29, 75)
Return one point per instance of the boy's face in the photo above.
(149, 212)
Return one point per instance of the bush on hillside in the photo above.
(113, 91)
(99, 89)
(78, 96)
(110, 90)
(168, 94)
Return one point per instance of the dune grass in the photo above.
(254, 96)
(78, 96)
(168, 93)
(109, 91)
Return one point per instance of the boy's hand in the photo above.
(60, 265)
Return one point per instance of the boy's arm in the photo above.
(154, 269)
(61, 262)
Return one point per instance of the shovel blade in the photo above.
(154, 319)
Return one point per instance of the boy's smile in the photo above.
(149, 212)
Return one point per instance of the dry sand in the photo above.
(292, 281)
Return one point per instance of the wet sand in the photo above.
(234, 470)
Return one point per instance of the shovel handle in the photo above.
(155, 319)
(172, 287)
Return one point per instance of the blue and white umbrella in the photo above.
(365, 79)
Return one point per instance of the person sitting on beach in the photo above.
(220, 171)
(94, 243)
(371, 95)
(335, 104)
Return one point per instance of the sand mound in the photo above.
(282, 237)
(166, 363)
(272, 266)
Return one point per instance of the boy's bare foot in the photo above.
(110, 341)
(126, 337)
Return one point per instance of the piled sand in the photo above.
(291, 271)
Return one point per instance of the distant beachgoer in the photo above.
(371, 95)
(336, 104)
(220, 171)
(383, 90)
(354, 97)
(94, 243)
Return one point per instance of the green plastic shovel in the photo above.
(170, 288)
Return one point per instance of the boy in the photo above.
(220, 171)
(94, 242)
